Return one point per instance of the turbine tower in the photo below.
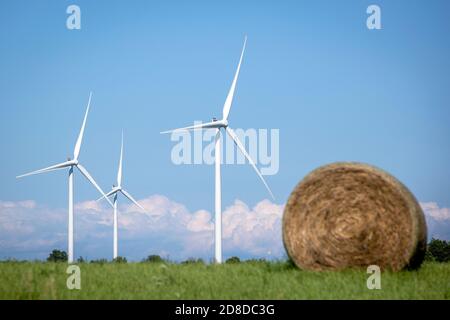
(218, 125)
(114, 191)
(71, 163)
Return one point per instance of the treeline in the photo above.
(437, 251)
(61, 256)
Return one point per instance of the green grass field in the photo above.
(255, 280)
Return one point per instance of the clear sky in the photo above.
(335, 90)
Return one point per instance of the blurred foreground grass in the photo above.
(247, 280)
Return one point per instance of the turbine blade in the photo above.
(119, 172)
(86, 174)
(229, 100)
(109, 194)
(51, 168)
(207, 125)
(76, 151)
(241, 147)
(126, 194)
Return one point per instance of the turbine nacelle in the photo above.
(219, 123)
(214, 124)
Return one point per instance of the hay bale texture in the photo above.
(346, 215)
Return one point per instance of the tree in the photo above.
(233, 260)
(99, 261)
(153, 258)
(254, 260)
(439, 250)
(429, 256)
(120, 260)
(193, 261)
(81, 260)
(57, 256)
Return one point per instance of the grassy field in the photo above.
(256, 280)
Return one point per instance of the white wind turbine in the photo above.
(218, 125)
(71, 163)
(114, 191)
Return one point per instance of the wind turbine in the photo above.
(114, 191)
(218, 125)
(71, 163)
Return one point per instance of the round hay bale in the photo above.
(346, 215)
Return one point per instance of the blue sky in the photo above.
(335, 90)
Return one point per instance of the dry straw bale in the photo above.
(346, 215)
